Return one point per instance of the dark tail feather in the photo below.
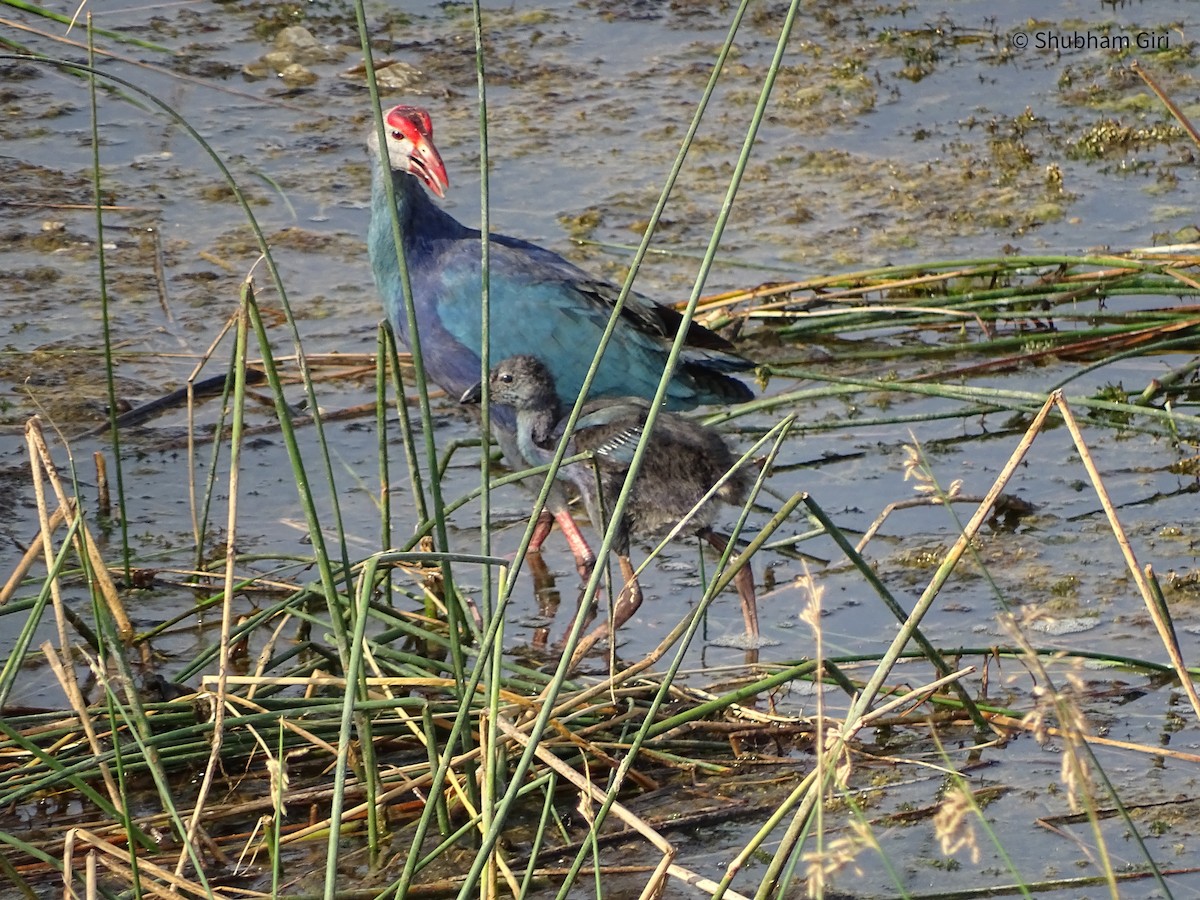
(715, 386)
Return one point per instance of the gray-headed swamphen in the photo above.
(683, 461)
(540, 304)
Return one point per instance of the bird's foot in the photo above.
(626, 604)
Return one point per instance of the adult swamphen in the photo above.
(682, 463)
(540, 304)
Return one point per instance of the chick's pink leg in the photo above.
(585, 559)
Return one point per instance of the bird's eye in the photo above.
(398, 135)
(505, 378)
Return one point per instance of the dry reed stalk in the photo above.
(103, 497)
(1165, 632)
(1101, 741)
(42, 469)
(70, 685)
(35, 547)
(152, 880)
(231, 532)
(666, 866)
(910, 503)
(916, 696)
(810, 792)
(42, 464)
(190, 441)
(1166, 101)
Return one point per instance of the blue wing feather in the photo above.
(541, 305)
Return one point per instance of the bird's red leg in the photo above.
(541, 531)
(743, 581)
(585, 559)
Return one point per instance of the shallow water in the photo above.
(894, 135)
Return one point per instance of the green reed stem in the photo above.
(106, 314)
(381, 436)
(200, 516)
(406, 431)
(16, 657)
(454, 612)
(61, 19)
(356, 690)
(507, 802)
(315, 532)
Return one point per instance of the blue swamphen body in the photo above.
(540, 304)
(683, 462)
